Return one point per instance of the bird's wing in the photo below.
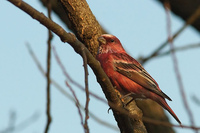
(132, 69)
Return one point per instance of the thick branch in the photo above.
(84, 23)
(60, 12)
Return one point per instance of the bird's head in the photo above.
(109, 44)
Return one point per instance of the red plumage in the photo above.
(128, 75)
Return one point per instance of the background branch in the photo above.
(65, 93)
(182, 48)
(190, 20)
(86, 92)
(22, 125)
(48, 104)
(176, 67)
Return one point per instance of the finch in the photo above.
(127, 75)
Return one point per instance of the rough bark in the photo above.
(87, 29)
(84, 23)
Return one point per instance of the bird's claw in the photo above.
(109, 110)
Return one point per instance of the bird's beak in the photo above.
(102, 40)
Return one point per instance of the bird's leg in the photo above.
(127, 95)
(130, 101)
(124, 97)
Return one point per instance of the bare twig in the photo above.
(189, 21)
(22, 125)
(190, 46)
(77, 102)
(86, 92)
(167, 124)
(50, 36)
(11, 123)
(196, 99)
(176, 67)
(71, 80)
(63, 90)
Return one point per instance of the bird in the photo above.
(127, 75)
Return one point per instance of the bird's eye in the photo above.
(112, 40)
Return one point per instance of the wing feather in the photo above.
(138, 74)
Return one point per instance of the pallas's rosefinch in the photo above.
(127, 75)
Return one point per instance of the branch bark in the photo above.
(84, 23)
(60, 12)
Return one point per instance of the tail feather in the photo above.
(164, 104)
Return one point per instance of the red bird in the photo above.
(128, 75)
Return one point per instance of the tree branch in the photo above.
(86, 92)
(113, 100)
(60, 12)
(176, 67)
(48, 106)
(189, 21)
(84, 23)
(176, 49)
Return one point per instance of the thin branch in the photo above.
(196, 100)
(86, 92)
(63, 90)
(22, 125)
(11, 123)
(176, 67)
(189, 21)
(77, 102)
(48, 109)
(71, 80)
(186, 47)
(167, 124)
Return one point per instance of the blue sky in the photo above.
(141, 27)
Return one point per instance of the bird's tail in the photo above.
(164, 104)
